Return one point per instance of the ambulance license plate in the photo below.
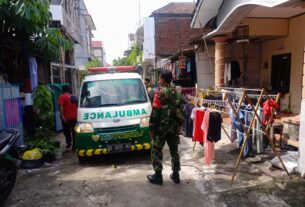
(113, 148)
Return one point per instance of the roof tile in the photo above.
(176, 8)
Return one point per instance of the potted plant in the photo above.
(44, 140)
(46, 146)
(31, 159)
(43, 106)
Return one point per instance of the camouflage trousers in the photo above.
(157, 154)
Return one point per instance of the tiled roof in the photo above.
(97, 44)
(176, 8)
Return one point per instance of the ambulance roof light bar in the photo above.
(112, 69)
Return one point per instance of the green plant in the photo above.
(43, 106)
(44, 140)
(46, 146)
(132, 58)
(42, 132)
(23, 20)
(50, 43)
(93, 63)
(121, 61)
(83, 74)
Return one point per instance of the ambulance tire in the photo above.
(82, 160)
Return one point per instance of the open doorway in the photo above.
(280, 73)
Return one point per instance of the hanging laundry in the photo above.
(240, 131)
(188, 66)
(177, 71)
(268, 107)
(233, 128)
(174, 71)
(197, 116)
(235, 71)
(33, 72)
(209, 153)
(227, 73)
(188, 120)
(214, 132)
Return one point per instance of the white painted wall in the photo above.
(301, 163)
(205, 68)
(149, 38)
(57, 13)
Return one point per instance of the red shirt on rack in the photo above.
(268, 107)
(198, 133)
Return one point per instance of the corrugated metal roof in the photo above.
(176, 8)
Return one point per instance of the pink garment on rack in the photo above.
(208, 145)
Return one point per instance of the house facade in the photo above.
(66, 16)
(99, 51)
(166, 33)
(265, 39)
(83, 50)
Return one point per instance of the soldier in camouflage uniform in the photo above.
(165, 123)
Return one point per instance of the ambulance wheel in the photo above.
(82, 160)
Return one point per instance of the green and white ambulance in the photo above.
(113, 113)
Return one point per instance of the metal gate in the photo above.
(11, 113)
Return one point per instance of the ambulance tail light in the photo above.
(83, 127)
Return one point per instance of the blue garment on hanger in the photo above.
(188, 66)
(33, 72)
(240, 132)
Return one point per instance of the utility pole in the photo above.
(139, 12)
(62, 69)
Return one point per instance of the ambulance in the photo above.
(113, 113)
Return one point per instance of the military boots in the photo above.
(155, 178)
(175, 177)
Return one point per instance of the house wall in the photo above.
(172, 34)
(149, 38)
(205, 64)
(267, 27)
(294, 44)
(249, 66)
(98, 53)
(248, 56)
(82, 50)
(301, 160)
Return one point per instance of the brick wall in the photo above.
(173, 34)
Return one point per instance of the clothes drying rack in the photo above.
(243, 95)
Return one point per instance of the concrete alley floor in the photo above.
(120, 180)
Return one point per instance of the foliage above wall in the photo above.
(28, 23)
(51, 42)
(31, 16)
(93, 63)
(133, 58)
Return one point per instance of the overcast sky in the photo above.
(114, 19)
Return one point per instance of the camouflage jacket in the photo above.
(167, 115)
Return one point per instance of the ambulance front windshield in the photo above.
(115, 92)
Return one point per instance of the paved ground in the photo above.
(120, 180)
